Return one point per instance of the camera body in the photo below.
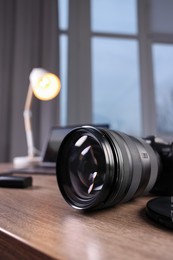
(164, 150)
(98, 168)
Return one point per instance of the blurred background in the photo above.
(114, 59)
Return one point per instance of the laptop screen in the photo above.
(54, 141)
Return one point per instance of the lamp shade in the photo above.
(45, 85)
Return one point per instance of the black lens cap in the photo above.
(161, 211)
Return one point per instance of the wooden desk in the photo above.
(36, 223)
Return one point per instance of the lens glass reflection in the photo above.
(86, 166)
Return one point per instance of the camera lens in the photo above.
(98, 168)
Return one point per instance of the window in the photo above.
(116, 92)
(114, 16)
(118, 58)
(161, 29)
(163, 78)
(115, 65)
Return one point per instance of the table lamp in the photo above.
(45, 86)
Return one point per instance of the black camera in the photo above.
(98, 168)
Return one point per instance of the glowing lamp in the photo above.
(45, 86)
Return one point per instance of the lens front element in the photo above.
(86, 166)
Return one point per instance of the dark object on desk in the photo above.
(161, 211)
(99, 168)
(15, 182)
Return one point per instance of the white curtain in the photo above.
(28, 39)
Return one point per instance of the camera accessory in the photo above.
(161, 211)
(15, 181)
(98, 168)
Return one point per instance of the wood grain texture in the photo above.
(38, 220)
(13, 248)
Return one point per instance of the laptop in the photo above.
(47, 165)
(50, 150)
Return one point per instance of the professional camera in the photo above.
(98, 168)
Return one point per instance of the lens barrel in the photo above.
(98, 168)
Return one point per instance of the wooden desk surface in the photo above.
(36, 223)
